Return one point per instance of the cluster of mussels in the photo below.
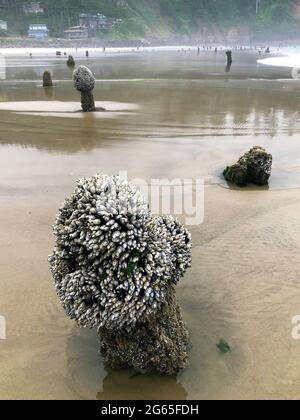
(114, 262)
(253, 167)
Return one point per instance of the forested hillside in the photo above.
(163, 18)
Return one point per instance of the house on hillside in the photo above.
(76, 32)
(88, 21)
(38, 31)
(3, 25)
(97, 22)
(33, 8)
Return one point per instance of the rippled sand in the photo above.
(244, 283)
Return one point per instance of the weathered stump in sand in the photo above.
(47, 79)
(159, 345)
(254, 167)
(84, 82)
(88, 102)
(115, 267)
(71, 61)
(229, 57)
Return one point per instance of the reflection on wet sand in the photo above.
(49, 92)
(181, 112)
(87, 376)
(222, 119)
(128, 385)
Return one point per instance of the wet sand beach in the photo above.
(170, 115)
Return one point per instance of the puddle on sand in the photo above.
(280, 180)
(88, 377)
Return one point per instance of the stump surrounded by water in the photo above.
(47, 79)
(229, 58)
(253, 167)
(71, 61)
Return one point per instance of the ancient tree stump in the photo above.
(84, 82)
(88, 102)
(115, 267)
(71, 61)
(254, 167)
(229, 57)
(47, 79)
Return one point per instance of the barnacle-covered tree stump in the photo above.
(115, 267)
(47, 79)
(229, 58)
(254, 167)
(71, 61)
(84, 82)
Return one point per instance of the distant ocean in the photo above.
(290, 58)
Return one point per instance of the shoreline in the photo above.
(19, 42)
(178, 48)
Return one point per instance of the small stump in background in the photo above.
(71, 61)
(84, 82)
(253, 168)
(229, 58)
(47, 79)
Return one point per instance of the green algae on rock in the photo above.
(115, 266)
(252, 168)
(223, 346)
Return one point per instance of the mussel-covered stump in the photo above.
(47, 79)
(84, 82)
(71, 61)
(115, 267)
(253, 168)
(229, 57)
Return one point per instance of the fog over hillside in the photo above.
(165, 18)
